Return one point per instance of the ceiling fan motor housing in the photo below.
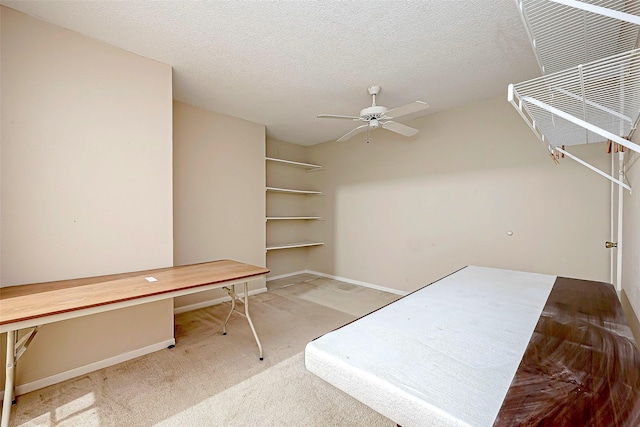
(371, 113)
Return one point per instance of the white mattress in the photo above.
(444, 355)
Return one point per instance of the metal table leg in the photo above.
(246, 314)
(232, 293)
(15, 349)
(9, 379)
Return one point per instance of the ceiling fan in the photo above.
(377, 115)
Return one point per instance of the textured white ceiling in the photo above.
(280, 63)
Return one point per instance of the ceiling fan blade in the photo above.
(399, 128)
(334, 116)
(348, 135)
(414, 107)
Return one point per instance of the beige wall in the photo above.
(631, 239)
(219, 200)
(285, 261)
(401, 213)
(86, 181)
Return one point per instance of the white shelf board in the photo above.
(308, 166)
(294, 245)
(292, 191)
(269, 218)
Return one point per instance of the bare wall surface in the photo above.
(403, 212)
(86, 181)
(219, 199)
(86, 156)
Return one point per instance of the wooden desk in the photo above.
(30, 306)
(488, 347)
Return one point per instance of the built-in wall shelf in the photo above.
(274, 218)
(292, 191)
(294, 245)
(290, 228)
(308, 166)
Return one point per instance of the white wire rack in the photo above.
(565, 33)
(588, 103)
(590, 88)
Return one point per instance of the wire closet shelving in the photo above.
(590, 87)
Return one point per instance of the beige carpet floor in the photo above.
(213, 380)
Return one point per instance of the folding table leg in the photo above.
(9, 379)
(232, 293)
(246, 314)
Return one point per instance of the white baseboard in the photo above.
(209, 303)
(82, 370)
(342, 279)
(358, 282)
(283, 276)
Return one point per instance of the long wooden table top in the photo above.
(24, 302)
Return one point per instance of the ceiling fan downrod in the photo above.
(373, 91)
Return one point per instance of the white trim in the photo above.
(359, 283)
(91, 367)
(283, 276)
(342, 279)
(620, 223)
(211, 302)
(271, 218)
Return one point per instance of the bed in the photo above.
(490, 347)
